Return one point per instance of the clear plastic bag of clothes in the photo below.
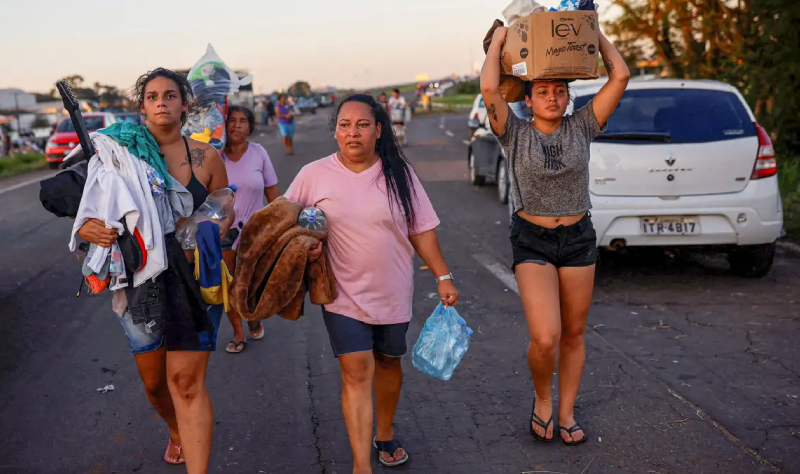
(520, 9)
(442, 343)
(212, 82)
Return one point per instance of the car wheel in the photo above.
(752, 261)
(53, 165)
(474, 177)
(502, 180)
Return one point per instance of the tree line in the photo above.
(751, 44)
(102, 93)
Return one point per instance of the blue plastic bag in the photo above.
(442, 343)
(566, 5)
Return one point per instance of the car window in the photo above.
(92, 124)
(481, 103)
(686, 115)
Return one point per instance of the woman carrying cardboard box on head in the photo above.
(554, 244)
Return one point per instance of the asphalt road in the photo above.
(690, 369)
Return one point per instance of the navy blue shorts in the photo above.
(350, 335)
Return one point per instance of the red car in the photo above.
(65, 138)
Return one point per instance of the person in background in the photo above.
(396, 101)
(384, 101)
(553, 242)
(261, 110)
(378, 215)
(6, 136)
(426, 102)
(285, 114)
(250, 169)
(269, 107)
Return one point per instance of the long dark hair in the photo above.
(184, 89)
(397, 171)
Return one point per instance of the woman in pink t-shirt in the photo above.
(250, 169)
(378, 216)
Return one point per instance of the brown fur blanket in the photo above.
(273, 273)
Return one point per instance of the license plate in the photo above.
(669, 225)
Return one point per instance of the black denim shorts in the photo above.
(563, 246)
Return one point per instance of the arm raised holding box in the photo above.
(605, 102)
(496, 107)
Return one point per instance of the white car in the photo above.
(684, 163)
(477, 116)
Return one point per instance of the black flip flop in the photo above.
(574, 428)
(238, 347)
(389, 447)
(535, 419)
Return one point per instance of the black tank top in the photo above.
(195, 187)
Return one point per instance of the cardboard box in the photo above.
(511, 88)
(552, 45)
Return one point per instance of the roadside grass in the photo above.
(19, 164)
(408, 87)
(438, 109)
(455, 100)
(789, 179)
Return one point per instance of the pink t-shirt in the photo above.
(251, 175)
(368, 244)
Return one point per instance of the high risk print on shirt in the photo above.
(552, 157)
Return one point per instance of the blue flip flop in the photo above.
(389, 447)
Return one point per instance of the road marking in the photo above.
(441, 123)
(25, 183)
(448, 133)
(465, 142)
(498, 270)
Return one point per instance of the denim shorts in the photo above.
(564, 246)
(142, 341)
(350, 335)
(287, 129)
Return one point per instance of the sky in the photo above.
(347, 43)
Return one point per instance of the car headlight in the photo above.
(51, 144)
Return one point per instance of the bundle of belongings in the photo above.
(542, 44)
(126, 185)
(212, 81)
(273, 273)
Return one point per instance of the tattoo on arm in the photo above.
(609, 65)
(195, 158)
(492, 112)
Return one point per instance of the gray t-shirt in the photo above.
(550, 172)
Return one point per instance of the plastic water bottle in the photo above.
(442, 343)
(216, 207)
(218, 204)
(312, 218)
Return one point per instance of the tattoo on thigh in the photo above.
(195, 158)
(492, 112)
